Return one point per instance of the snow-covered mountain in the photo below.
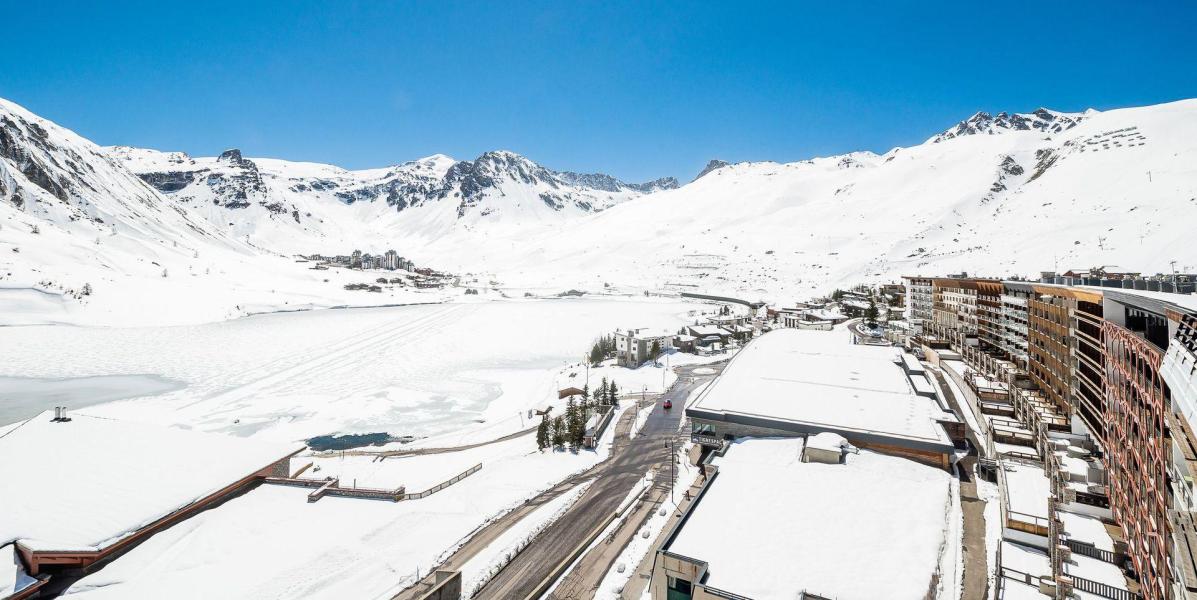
(284, 200)
(1042, 120)
(999, 195)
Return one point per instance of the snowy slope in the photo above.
(1117, 188)
(85, 240)
(997, 195)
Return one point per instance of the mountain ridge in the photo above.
(215, 238)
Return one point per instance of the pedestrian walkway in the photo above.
(976, 561)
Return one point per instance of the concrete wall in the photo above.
(447, 587)
(924, 452)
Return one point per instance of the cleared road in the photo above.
(615, 478)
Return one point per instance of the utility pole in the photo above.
(672, 474)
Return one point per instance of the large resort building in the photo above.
(796, 382)
(1086, 387)
(827, 473)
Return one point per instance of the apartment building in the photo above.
(1015, 321)
(918, 301)
(1122, 363)
(954, 305)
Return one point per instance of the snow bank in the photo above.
(504, 548)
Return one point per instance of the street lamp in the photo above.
(672, 474)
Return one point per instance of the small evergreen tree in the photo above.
(596, 353)
(870, 313)
(559, 432)
(601, 395)
(542, 433)
(613, 394)
(578, 431)
(655, 350)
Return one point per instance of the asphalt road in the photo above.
(615, 478)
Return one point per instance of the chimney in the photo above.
(57, 413)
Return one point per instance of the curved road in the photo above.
(615, 478)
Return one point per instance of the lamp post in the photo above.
(672, 474)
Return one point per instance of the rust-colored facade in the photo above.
(1137, 443)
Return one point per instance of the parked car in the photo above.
(668, 404)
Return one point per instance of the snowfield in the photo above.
(468, 372)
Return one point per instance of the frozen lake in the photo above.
(464, 371)
(24, 397)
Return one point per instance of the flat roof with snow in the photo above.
(820, 381)
(85, 484)
(770, 525)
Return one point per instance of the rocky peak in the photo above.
(1042, 120)
(607, 183)
(714, 165)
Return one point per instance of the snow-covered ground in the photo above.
(337, 547)
(462, 372)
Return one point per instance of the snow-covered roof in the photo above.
(87, 483)
(821, 378)
(825, 314)
(826, 441)
(705, 330)
(771, 525)
(921, 385)
(1027, 489)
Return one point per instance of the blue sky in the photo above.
(637, 89)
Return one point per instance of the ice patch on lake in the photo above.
(24, 397)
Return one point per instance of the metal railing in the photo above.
(1092, 551)
(1104, 590)
(440, 486)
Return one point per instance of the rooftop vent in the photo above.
(60, 415)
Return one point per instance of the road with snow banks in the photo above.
(540, 562)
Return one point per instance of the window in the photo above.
(677, 589)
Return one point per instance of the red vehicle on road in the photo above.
(668, 404)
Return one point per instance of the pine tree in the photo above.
(578, 431)
(559, 432)
(542, 433)
(601, 394)
(596, 353)
(870, 314)
(613, 394)
(571, 411)
(655, 351)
